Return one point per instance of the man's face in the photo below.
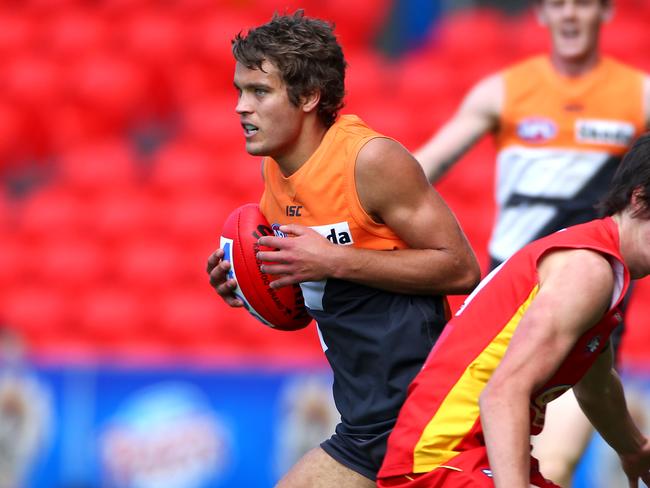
(271, 123)
(574, 25)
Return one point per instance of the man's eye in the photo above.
(260, 91)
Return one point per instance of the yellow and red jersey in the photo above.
(441, 416)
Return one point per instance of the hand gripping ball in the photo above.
(282, 308)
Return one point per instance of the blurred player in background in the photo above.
(561, 124)
(536, 326)
(374, 247)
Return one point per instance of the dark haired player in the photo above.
(536, 326)
(561, 124)
(373, 246)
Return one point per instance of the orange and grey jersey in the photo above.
(440, 417)
(559, 142)
(375, 341)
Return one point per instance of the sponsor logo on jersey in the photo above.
(293, 210)
(593, 344)
(536, 129)
(610, 132)
(487, 472)
(338, 233)
(276, 230)
(539, 402)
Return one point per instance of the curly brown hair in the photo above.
(307, 55)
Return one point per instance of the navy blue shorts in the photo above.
(362, 453)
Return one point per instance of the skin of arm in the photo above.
(393, 190)
(575, 290)
(477, 115)
(600, 395)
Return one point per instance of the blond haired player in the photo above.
(561, 124)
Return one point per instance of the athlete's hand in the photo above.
(637, 466)
(304, 255)
(218, 269)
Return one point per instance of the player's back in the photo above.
(441, 415)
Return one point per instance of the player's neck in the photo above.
(574, 67)
(630, 231)
(303, 148)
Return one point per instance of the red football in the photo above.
(283, 308)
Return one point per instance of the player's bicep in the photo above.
(575, 291)
(393, 190)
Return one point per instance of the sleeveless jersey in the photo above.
(559, 142)
(375, 341)
(440, 418)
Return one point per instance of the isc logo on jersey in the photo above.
(610, 132)
(536, 129)
(338, 233)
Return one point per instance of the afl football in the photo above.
(282, 308)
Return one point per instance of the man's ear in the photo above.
(637, 201)
(540, 15)
(310, 101)
(608, 12)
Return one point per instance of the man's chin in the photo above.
(255, 150)
(573, 53)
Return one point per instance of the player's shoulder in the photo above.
(618, 66)
(588, 264)
(380, 151)
(486, 96)
(527, 65)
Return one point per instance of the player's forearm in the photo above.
(606, 408)
(505, 417)
(416, 271)
(434, 162)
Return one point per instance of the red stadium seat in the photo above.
(38, 311)
(37, 8)
(357, 23)
(367, 80)
(67, 262)
(13, 134)
(69, 126)
(459, 33)
(50, 212)
(191, 314)
(212, 123)
(114, 89)
(123, 214)
(18, 33)
(183, 168)
(197, 218)
(32, 81)
(110, 313)
(527, 37)
(626, 38)
(150, 263)
(196, 80)
(210, 36)
(14, 261)
(153, 37)
(75, 32)
(101, 166)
